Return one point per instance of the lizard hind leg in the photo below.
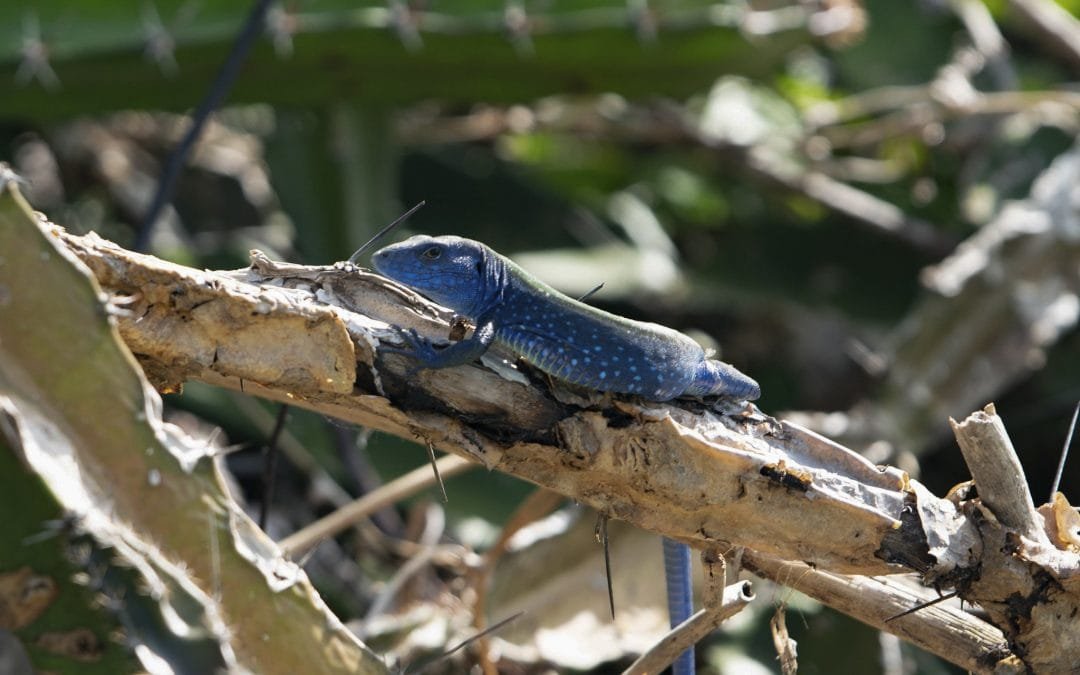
(716, 378)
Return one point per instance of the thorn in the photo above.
(435, 468)
(303, 561)
(383, 232)
(516, 22)
(643, 19)
(35, 57)
(281, 25)
(160, 44)
(1064, 454)
(602, 537)
(924, 605)
(67, 524)
(270, 457)
(229, 449)
(487, 631)
(592, 292)
(404, 24)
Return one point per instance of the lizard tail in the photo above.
(680, 600)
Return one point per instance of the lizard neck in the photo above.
(494, 284)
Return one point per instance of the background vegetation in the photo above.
(780, 177)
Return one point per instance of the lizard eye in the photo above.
(432, 253)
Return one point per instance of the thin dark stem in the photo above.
(1064, 454)
(590, 293)
(923, 606)
(214, 96)
(601, 534)
(607, 569)
(435, 469)
(383, 232)
(487, 631)
(270, 457)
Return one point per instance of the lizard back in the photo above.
(586, 346)
(565, 338)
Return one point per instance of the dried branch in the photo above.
(970, 643)
(735, 598)
(998, 302)
(861, 206)
(988, 39)
(709, 476)
(666, 127)
(998, 475)
(1053, 26)
(709, 470)
(993, 309)
(299, 542)
(1028, 586)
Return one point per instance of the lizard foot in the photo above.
(419, 347)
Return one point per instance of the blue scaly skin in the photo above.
(566, 339)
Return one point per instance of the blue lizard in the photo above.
(567, 339)
(564, 338)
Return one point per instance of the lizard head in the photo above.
(452, 271)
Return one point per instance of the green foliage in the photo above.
(347, 112)
(58, 60)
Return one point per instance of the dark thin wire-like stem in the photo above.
(929, 603)
(383, 232)
(607, 566)
(270, 466)
(435, 470)
(218, 89)
(590, 293)
(1064, 455)
(487, 631)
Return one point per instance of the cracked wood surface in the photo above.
(709, 475)
(702, 475)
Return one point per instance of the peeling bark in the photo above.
(711, 475)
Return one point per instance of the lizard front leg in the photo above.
(458, 353)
